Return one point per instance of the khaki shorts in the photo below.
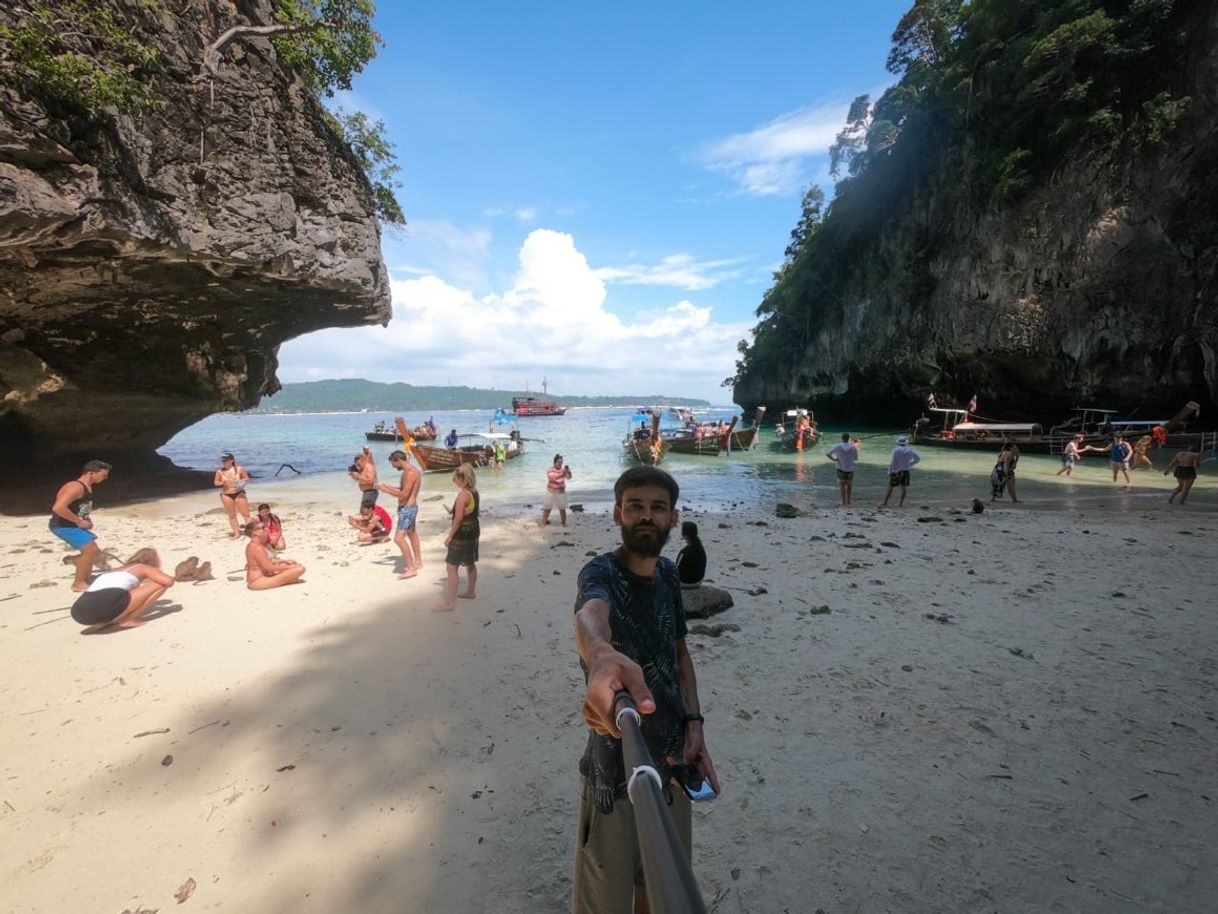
(555, 500)
(607, 861)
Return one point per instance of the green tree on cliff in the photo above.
(992, 96)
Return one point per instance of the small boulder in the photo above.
(713, 630)
(782, 509)
(705, 601)
(978, 506)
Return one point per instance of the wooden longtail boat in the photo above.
(794, 438)
(384, 432)
(744, 439)
(647, 449)
(479, 450)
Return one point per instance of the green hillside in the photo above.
(353, 394)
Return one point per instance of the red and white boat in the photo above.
(537, 406)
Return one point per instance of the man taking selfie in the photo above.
(630, 634)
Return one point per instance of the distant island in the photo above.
(356, 394)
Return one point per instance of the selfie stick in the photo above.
(671, 888)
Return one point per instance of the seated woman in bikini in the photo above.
(116, 599)
(232, 479)
(274, 527)
(261, 571)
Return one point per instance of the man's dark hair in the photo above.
(398, 455)
(637, 477)
(96, 466)
(845, 436)
(690, 529)
(249, 528)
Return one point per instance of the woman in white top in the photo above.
(116, 598)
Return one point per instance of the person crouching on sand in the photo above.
(116, 598)
(261, 571)
(462, 539)
(373, 524)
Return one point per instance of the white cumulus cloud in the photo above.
(551, 320)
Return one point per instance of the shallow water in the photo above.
(321, 446)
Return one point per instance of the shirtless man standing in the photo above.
(363, 471)
(70, 518)
(1185, 465)
(261, 571)
(407, 494)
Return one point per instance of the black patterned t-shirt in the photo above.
(646, 618)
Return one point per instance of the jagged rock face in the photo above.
(1100, 288)
(151, 264)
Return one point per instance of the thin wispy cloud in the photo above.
(772, 159)
(526, 214)
(678, 271)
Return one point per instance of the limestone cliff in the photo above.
(151, 263)
(1098, 285)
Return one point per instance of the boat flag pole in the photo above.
(667, 874)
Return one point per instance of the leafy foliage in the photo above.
(995, 94)
(74, 55)
(375, 155)
(336, 43)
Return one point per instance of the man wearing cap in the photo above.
(407, 493)
(70, 519)
(904, 458)
(556, 491)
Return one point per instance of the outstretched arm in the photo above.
(609, 670)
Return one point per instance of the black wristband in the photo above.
(689, 718)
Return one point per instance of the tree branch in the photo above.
(211, 56)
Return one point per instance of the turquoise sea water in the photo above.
(321, 446)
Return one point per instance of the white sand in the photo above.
(1048, 747)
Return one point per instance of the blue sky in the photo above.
(595, 193)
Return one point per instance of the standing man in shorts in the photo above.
(904, 458)
(845, 454)
(363, 471)
(70, 519)
(556, 491)
(630, 635)
(407, 494)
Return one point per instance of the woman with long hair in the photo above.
(231, 480)
(116, 598)
(462, 538)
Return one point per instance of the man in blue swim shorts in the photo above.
(70, 518)
(407, 494)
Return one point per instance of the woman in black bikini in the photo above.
(232, 479)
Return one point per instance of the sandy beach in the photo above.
(1008, 712)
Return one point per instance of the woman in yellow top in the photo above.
(462, 539)
(232, 479)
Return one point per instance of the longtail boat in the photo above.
(644, 446)
(802, 432)
(477, 450)
(743, 439)
(383, 431)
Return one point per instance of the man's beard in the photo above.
(645, 540)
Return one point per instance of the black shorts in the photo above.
(898, 479)
(368, 498)
(845, 475)
(96, 607)
(1185, 473)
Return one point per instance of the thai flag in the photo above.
(972, 404)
